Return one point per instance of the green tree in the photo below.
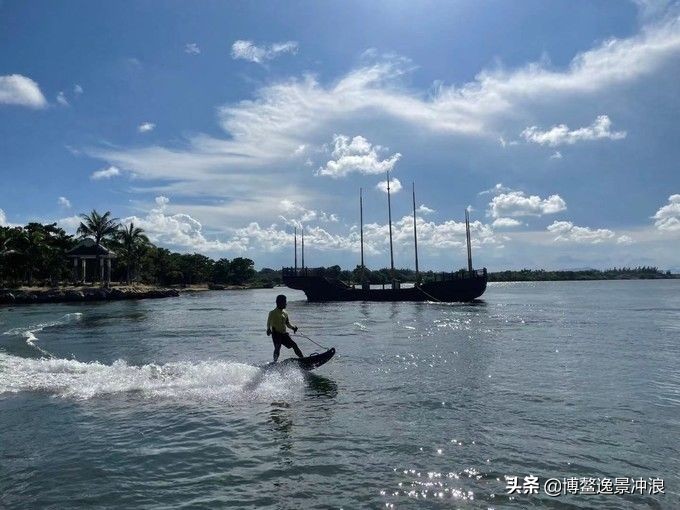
(221, 271)
(241, 270)
(100, 227)
(131, 245)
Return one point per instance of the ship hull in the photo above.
(320, 289)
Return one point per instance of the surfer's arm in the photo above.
(294, 328)
(269, 324)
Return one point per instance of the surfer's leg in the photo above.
(289, 343)
(297, 350)
(277, 349)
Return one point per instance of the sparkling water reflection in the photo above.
(160, 404)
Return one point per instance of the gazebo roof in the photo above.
(87, 247)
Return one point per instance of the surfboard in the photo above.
(307, 363)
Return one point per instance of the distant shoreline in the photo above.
(85, 293)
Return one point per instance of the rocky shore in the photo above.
(81, 294)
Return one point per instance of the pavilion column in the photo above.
(83, 264)
(101, 270)
(74, 271)
(108, 271)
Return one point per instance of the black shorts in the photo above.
(283, 339)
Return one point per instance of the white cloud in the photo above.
(667, 218)
(433, 237)
(423, 209)
(146, 127)
(70, 224)
(497, 189)
(77, 89)
(284, 115)
(356, 155)
(64, 202)
(296, 214)
(395, 186)
(61, 99)
(624, 239)
(600, 129)
(3, 219)
(192, 49)
(506, 223)
(247, 50)
(19, 90)
(105, 173)
(507, 143)
(556, 155)
(568, 232)
(179, 231)
(516, 203)
(162, 201)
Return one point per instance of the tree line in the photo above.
(36, 254)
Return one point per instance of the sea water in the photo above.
(159, 403)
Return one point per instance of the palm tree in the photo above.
(98, 226)
(132, 241)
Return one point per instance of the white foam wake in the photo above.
(208, 380)
(28, 332)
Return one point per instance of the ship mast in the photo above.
(361, 222)
(303, 248)
(467, 237)
(295, 241)
(389, 215)
(415, 231)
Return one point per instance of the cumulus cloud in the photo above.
(600, 129)
(247, 50)
(146, 127)
(556, 155)
(3, 219)
(516, 203)
(296, 214)
(77, 89)
(61, 99)
(180, 231)
(70, 224)
(64, 202)
(434, 237)
(624, 239)
(192, 49)
(500, 223)
(105, 173)
(568, 232)
(356, 155)
(423, 209)
(16, 89)
(395, 186)
(667, 218)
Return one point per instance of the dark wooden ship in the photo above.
(463, 285)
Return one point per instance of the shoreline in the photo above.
(85, 293)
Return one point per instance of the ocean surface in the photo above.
(160, 404)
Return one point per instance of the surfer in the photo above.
(276, 327)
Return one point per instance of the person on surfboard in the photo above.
(276, 327)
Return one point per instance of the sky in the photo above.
(219, 127)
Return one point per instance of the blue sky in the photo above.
(218, 127)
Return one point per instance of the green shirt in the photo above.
(277, 320)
